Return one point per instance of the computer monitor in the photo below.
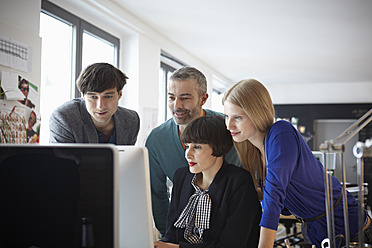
(58, 196)
(68, 195)
(135, 214)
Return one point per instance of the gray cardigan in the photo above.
(71, 123)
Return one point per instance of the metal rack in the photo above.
(360, 150)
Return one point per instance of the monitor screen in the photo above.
(57, 196)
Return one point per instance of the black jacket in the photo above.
(236, 210)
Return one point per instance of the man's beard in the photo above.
(184, 119)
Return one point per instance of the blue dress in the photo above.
(295, 182)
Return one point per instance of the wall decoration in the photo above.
(15, 54)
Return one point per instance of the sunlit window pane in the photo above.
(97, 50)
(69, 44)
(169, 113)
(217, 101)
(56, 66)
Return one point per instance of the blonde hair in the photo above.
(254, 99)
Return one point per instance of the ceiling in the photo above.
(285, 41)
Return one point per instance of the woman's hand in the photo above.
(160, 244)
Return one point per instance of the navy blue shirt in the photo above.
(103, 138)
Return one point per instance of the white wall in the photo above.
(21, 13)
(146, 96)
(19, 20)
(321, 93)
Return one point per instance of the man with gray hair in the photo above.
(187, 93)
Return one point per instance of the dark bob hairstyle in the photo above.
(210, 130)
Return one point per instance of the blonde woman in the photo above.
(283, 167)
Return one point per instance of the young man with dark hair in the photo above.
(96, 117)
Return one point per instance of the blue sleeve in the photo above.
(282, 151)
(159, 190)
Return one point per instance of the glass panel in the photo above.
(56, 68)
(169, 113)
(162, 96)
(217, 101)
(97, 50)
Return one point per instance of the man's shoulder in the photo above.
(74, 103)
(69, 108)
(161, 133)
(127, 112)
(68, 116)
(164, 128)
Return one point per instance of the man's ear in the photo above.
(204, 98)
(120, 94)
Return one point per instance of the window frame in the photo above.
(168, 64)
(79, 27)
(166, 69)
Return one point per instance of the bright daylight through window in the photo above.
(61, 63)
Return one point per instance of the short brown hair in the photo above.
(210, 130)
(99, 77)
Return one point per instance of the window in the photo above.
(217, 101)
(168, 65)
(69, 44)
(165, 73)
(219, 88)
(96, 49)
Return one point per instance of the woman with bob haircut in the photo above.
(213, 204)
(284, 167)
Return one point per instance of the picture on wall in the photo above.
(19, 117)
